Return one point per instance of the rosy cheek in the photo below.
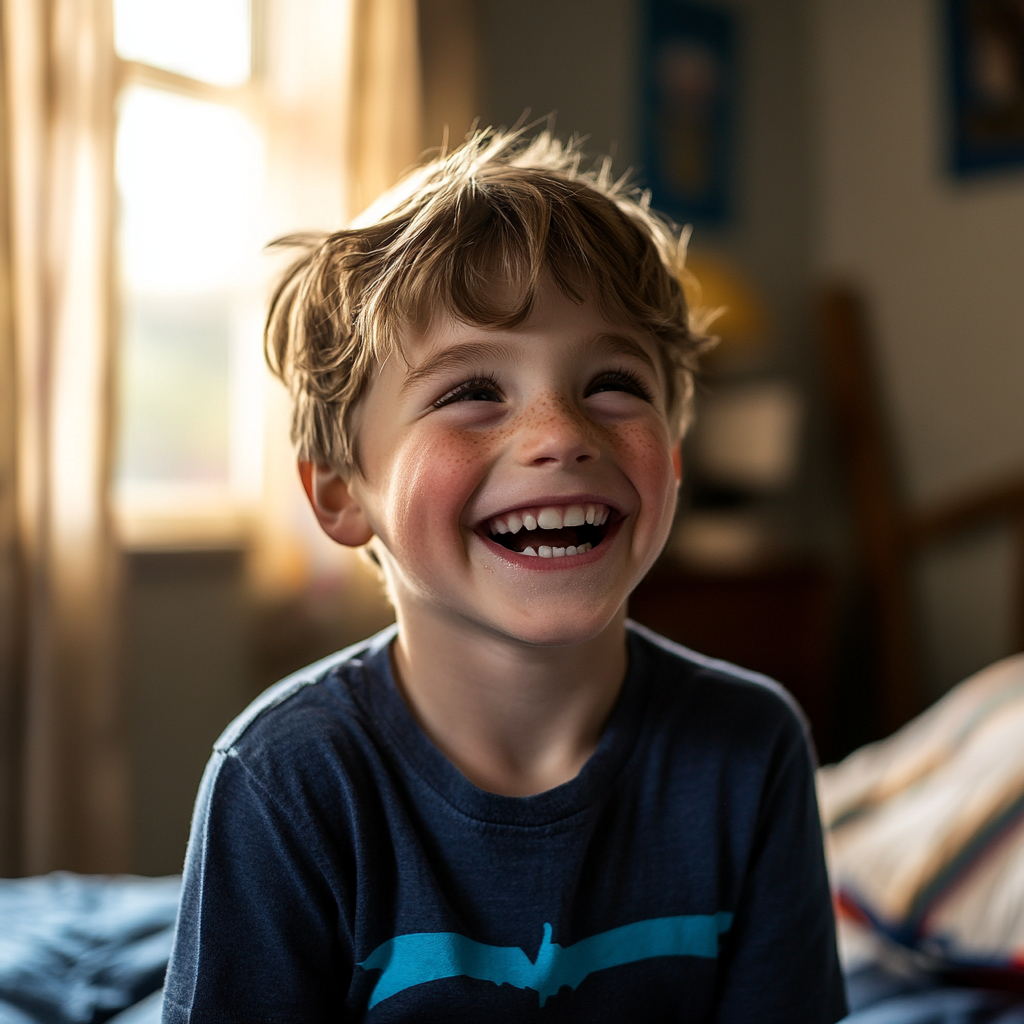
(645, 442)
(645, 448)
(433, 477)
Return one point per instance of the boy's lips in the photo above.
(551, 530)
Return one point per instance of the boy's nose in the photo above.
(556, 434)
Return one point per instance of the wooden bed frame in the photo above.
(889, 535)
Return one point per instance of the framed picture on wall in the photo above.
(689, 91)
(986, 50)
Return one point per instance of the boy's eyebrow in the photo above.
(475, 352)
(468, 354)
(623, 345)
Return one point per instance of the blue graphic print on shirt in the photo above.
(416, 959)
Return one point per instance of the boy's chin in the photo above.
(562, 630)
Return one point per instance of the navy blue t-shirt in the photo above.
(341, 868)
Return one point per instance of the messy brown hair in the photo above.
(501, 206)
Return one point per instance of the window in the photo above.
(234, 127)
(203, 40)
(191, 185)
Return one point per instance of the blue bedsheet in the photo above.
(84, 950)
(79, 950)
(879, 996)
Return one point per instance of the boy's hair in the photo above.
(500, 206)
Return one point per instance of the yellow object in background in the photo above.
(726, 304)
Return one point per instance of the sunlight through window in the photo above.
(208, 40)
(217, 152)
(190, 182)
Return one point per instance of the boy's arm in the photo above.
(259, 930)
(779, 963)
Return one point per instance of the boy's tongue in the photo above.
(562, 538)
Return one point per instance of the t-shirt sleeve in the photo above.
(779, 962)
(260, 931)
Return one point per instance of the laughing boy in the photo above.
(513, 805)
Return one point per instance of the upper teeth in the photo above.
(549, 518)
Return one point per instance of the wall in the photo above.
(941, 261)
(581, 60)
(576, 59)
(198, 646)
(187, 673)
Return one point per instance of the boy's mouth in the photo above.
(551, 531)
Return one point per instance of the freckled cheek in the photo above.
(432, 480)
(646, 453)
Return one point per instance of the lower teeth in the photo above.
(548, 552)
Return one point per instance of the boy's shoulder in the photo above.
(730, 702)
(342, 705)
(312, 713)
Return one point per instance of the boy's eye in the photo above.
(621, 380)
(480, 389)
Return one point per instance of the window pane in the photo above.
(175, 388)
(190, 184)
(204, 39)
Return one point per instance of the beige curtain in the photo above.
(450, 69)
(11, 589)
(68, 807)
(385, 104)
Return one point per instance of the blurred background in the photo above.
(853, 513)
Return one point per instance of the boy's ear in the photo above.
(677, 460)
(340, 515)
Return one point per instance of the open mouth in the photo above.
(551, 531)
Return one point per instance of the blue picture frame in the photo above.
(986, 81)
(689, 72)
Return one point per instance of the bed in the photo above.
(924, 835)
(80, 949)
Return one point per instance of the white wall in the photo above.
(942, 262)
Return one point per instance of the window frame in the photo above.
(181, 514)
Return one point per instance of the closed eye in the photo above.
(620, 380)
(479, 389)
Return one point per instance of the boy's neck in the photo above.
(514, 719)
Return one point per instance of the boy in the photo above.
(513, 805)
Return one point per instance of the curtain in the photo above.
(10, 555)
(450, 72)
(66, 785)
(384, 104)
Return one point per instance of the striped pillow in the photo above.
(924, 831)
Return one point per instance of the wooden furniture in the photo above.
(776, 618)
(888, 535)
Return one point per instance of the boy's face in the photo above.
(475, 436)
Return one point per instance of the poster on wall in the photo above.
(689, 85)
(986, 49)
